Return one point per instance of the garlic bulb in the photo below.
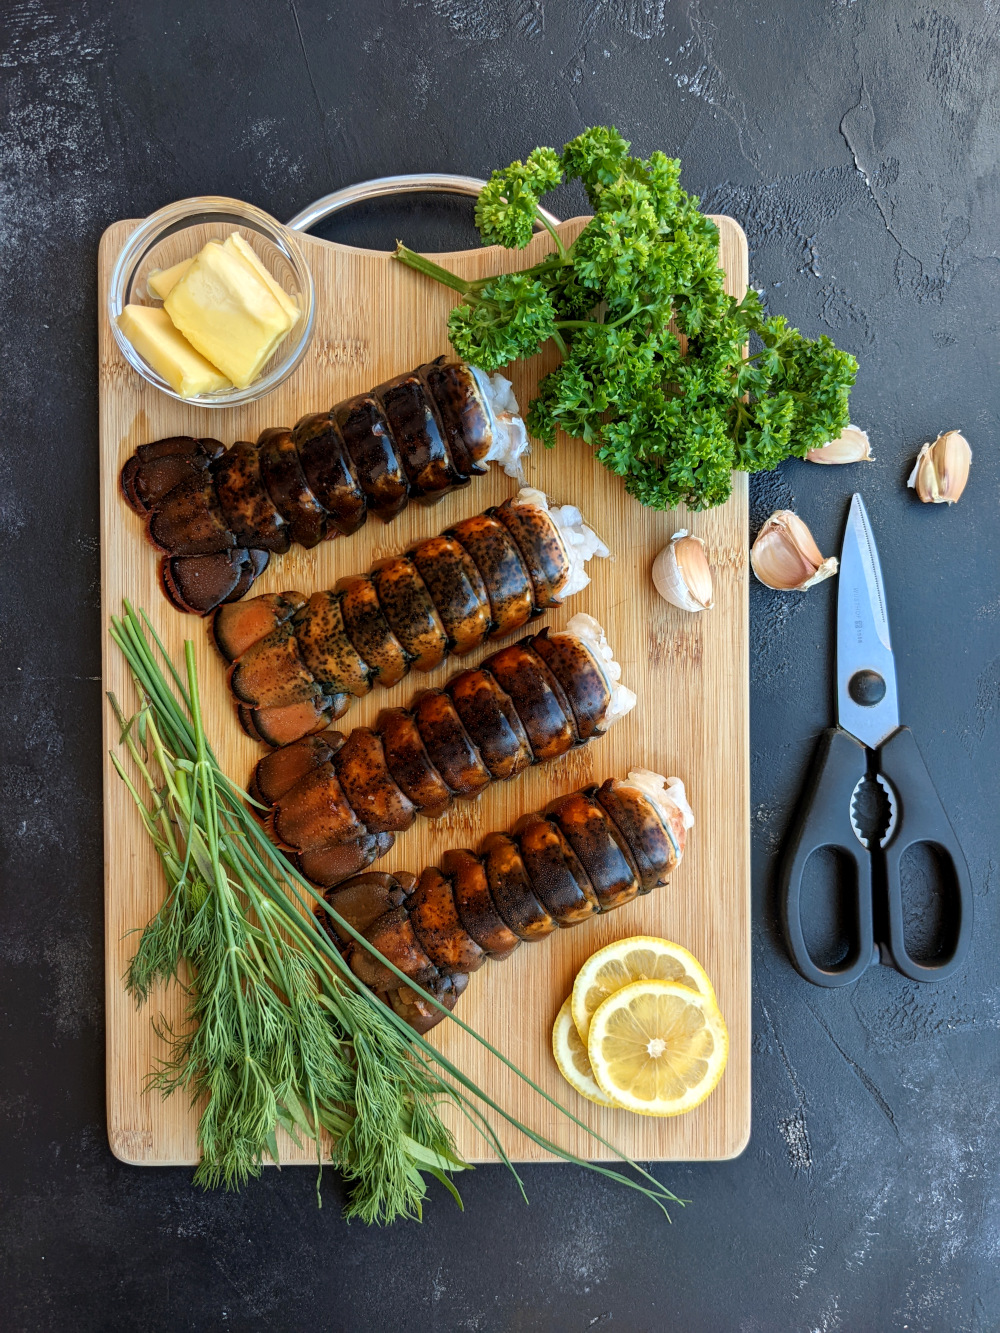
(942, 469)
(681, 574)
(851, 446)
(786, 557)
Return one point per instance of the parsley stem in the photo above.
(552, 232)
(550, 264)
(614, 324)
(427, 266)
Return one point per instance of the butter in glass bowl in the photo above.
(237, 302)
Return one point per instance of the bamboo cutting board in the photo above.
(375, 319)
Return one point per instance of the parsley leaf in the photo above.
(507, 207)
(654, 374)
(512, 316)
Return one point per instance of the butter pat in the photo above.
(235, 242)
(162, 281)
(153, 335)
(228, 313)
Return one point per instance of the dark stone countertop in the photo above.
(857, 143)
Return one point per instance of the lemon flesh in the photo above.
(572, 1059)
(638, 958)
(658, 1047)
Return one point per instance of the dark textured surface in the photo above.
(857, 144)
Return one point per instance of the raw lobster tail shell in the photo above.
(588, 852)
(297, 664)
(338, 801)
(219, 514)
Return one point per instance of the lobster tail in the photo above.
(337, 801)
(588, 852)
(218, 514)
(446, 595)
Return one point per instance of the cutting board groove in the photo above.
(375, 319)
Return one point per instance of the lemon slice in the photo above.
(571, 1057)
(638, 958)
(658, 1048)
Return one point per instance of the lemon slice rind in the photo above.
(692, 974)
(705, 1043)
(571, 1054)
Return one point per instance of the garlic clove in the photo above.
(852, 445)
(681, 573)
(942, 469)
(922, 478)
(694, 569)
(786, 557)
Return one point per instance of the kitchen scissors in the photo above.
(869, 742)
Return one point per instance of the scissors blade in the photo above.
(865, 709)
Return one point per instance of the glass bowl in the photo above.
(178, 232)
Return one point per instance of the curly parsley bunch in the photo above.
(653, 372)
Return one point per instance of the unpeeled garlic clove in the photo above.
(942, 469)
(786, 557)
(681, 573)
(851, 446)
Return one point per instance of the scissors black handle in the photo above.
(824, 820)
(921, 818)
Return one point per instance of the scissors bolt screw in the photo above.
(866, 688)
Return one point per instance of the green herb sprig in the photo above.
(653, 374)
(278, 1033)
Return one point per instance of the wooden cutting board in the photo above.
(375, 319)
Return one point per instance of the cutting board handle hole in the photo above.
(426, 222)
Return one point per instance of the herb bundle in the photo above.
(653, 373)
(278, 1031)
